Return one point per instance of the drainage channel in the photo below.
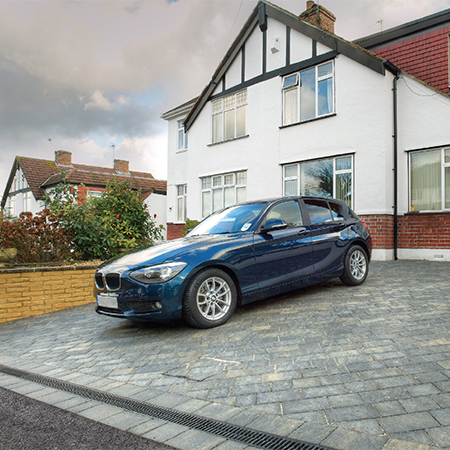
(236, 433)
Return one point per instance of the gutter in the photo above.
(395, 71)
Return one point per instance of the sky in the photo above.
(94, 76)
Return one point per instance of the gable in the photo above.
(273, 43)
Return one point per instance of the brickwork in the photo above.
(424, 231)
(425, 57)
(381, 228)
(174, 230)
(30, 292)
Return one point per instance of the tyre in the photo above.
(210, 299)
(356, 266)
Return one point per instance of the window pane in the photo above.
(229, 102)
(337, 211)
(241, 121)
(228, 196)
(217, 181)
(228, 179)
(318, 211)
(241, 178)
(426, 181)
(290, 106)
(290, 171)
(217, 199)
(308, 94)
(180, 139)
(217, 128)
(291, 80)
(447, 155)
(241, 97)
(325, 96)
(180, 209)
(206, 183)
(447, 188)
(240, 194)
(217, 105)
(206, 203)
(344, 163)
(180, 190)
(344, 187)
(325, 69)
(290, 188)
(287, 211)
(229, 124)
(316, 178)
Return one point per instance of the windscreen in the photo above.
(235, 219)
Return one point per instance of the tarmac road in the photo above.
(27, 424)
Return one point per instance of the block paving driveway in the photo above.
(364, 368)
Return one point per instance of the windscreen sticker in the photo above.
(246, 226)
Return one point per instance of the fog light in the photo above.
(158, 305)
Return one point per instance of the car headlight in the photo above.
(158, 274)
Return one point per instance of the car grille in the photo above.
(110, 281)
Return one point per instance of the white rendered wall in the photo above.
(157, 205)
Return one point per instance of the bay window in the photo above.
(329, 177)
(220, 191)
(308, 94)
(229, 117)
(430, 180)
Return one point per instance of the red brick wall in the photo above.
(424, 231)
(425, 57)
(174, 230)
(414, 230)
(381, 228)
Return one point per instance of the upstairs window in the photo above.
(229, 117)
(308, 94)
(182, 136)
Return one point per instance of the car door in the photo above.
(328, 235)
(283, 257)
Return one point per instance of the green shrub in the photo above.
(189, 225)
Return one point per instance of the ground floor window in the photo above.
(430, 180)
(220, 191)
(27, 201)
(329, 177)
(181, 202)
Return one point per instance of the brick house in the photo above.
(294, 109)
(31, 179)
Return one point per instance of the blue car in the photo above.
(236, 256)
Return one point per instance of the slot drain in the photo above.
(236, 433)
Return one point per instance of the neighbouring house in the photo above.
(420, 47)
(31, 179)
(293, 109)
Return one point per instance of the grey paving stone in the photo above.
(440, 435)
(386, 409)
(191, 439)
(275, 424)
(351, 413)
(349, 440)
(408, 422)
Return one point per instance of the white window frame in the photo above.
(234, 183)
(181, 200)
(220, 107)
(12, 205)
(444, 165)
(27, 201)
(335, 174)
(295, 85)
(182, 137)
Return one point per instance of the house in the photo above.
(420, 47)
(293, 109)
(31, 179)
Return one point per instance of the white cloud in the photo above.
(99, 101)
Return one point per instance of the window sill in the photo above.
(417, 213)
(228, 140)
(184, 150)
(307, 121)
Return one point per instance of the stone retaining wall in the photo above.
(29, 292)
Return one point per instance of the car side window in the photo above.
(337, 211)
(318, 211)
(287, 211)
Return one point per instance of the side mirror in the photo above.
(274, 224)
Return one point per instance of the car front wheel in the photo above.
(210, 299)
(356, 266)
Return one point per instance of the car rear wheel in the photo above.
(356, 266)
(210, 299)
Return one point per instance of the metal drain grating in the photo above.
(229, 431)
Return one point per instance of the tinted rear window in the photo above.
(337, 211)
(318, 211)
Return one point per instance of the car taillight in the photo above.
(365, 226)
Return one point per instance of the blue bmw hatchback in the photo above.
(236, 256)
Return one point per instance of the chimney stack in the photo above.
(318, 16)
(121, 166)
(63, 158)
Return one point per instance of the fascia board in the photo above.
(9, 183)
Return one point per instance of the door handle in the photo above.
(301, 230)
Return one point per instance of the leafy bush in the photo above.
(102, 226)
(38, 239)
(189, 225)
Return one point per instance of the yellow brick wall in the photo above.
(29, 292)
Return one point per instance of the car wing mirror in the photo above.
(273, 224)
